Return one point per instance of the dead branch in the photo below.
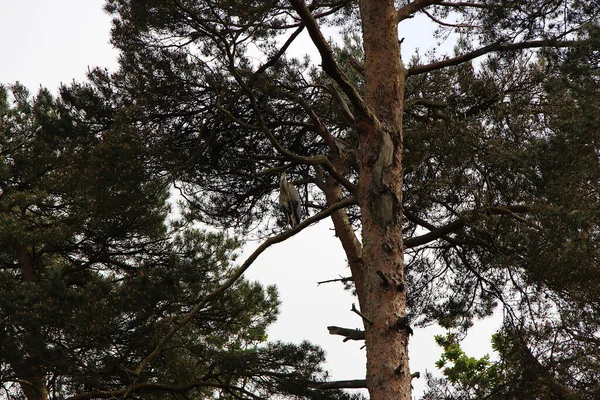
(347, 333)
(363, 316)
(340, 279)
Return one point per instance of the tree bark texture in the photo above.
(381, 289)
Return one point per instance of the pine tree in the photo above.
(547, 345)
(93, 277)
(442, 162)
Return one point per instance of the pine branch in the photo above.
(466, 4)
(443, 23)
(435, 234)
(494, 47)
(236, 275)
(281, 51)
(154, 387)
(441, 232)
(424, 102)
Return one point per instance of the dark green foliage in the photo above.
(500, 152)
(543, 270)
(92, 277)
(471, 378)
(518, 374)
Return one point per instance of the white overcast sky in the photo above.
(46, 43)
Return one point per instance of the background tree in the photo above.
(549, 351)
(92, 276)
(447, 163)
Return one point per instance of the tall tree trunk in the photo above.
(31, 378)
(382, 291)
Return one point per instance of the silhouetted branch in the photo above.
(152, 387)
(328, 62)
(411, 8)
(281, 51)
(343, 280)
(441, 232)
(237, 274)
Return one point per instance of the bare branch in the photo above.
(281, 51)
(363, 316)
(348, 334)
(440, 22)
(343, 280)
(358, 67)
(465, 4)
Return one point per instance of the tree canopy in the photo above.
(93, 276)
(457, 183)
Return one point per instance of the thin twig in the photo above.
(340, 279)
(355, 310)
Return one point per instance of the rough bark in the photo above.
(383, 300)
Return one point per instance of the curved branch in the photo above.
(466, 4)
(448, 24)
(411, 8)
(497, 46)
(236, 275)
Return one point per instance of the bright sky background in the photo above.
(46, 43)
